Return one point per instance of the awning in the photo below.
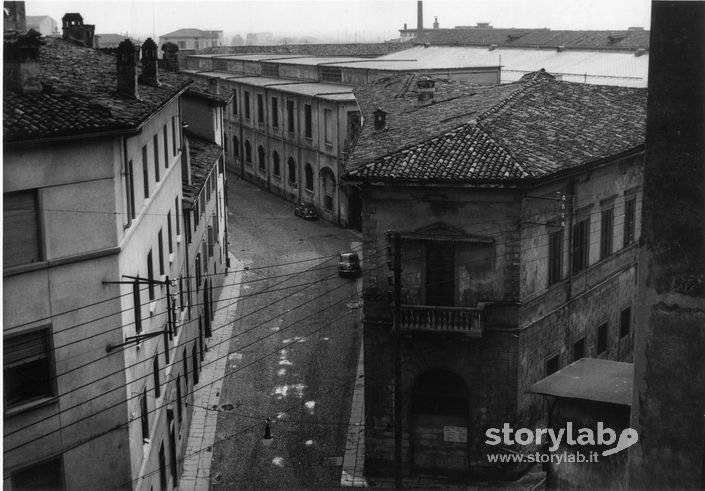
(590, 379)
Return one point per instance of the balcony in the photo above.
(462, 320)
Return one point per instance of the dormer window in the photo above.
(380, 119)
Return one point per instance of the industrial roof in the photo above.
(523, 130)
(79, 96)
(590, 379)
(629, 39)
(407, 63)
(190, 33)
(601, 67)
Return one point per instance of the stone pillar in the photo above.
(668, 408)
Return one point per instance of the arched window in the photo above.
(292, 171)
(309, 177)
(275, 164)
(236, 147)
(248, 153)
(260, 159)
(327, 187)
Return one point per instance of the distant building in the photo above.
(293, 120)
(515, 210)
(43, 24)
(196, 39)
(111, 41)
(73, 29)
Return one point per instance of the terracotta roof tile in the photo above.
(79, 96)
(204, 156)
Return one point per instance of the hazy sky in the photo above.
(367, 18)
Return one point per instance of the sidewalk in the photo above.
(197, 461)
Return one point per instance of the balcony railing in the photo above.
(462, 320)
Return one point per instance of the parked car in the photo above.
(305, 210)
(349, 264)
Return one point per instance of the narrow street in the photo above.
(294, 350)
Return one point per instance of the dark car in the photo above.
(305, 210)
(349, 264)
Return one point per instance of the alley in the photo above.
(294, 349)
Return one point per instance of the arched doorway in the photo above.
(440, 408)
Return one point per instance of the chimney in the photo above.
(170, 60)
(150, 61)
(435, 23)
(74, 30)
(426, 88)
(127, 57)
(14, 19)
(419, 25)
(405, 26)
(21, 66)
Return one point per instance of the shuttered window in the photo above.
(21, 235)
(27, 367)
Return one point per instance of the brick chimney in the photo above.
(170, 60)
(150, 61)
(14, 19)
(21, 65)
(127, 57)
(419, 18)
(76, 31)
(426, 89)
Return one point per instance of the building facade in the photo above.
(101, 347)
(293, 120)
(195, 39)
(45, 25)
(497, 250)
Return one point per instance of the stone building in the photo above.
(101, 344)
(293, 120)
(515, 209)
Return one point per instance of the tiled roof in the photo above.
(353, 49)
(202, 89)
(538, 38)
(524, 130)
(204, 156)
(79, 96)
(190, 33)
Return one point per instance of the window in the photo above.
(248, 153)
(629, 221)
(236, 147)
(234, 101)
(156, 158)
(184, 358)
(331, 74)
(606, 232)
(45, 475)
(145, 172)
(21, 241)
(309, 177)
(198, 271)
(204, 249)
(579, 349)
(194, 363)
(162, 465)
(155, 375)
(308, 133)
(144, 414)
(328, 122)
(555, 256)
(246, 103)
(292, 171)
(261, 159)
(275, 112)
(207, 186)
(160, 245)
(601, 338)
(625, 322)
(181, 293)
(166, 147)
(290, 116)
(581, 244)
(210, 241)
(168, 229)
(552, 365)
(130, 192)
(176, 215)
(275, 164)
(150, 275)
(440, 273)
(179, 410)
(28, 367)
(173, 135)
(137, 305)
(260, 109)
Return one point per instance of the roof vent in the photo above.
(639, 52)
(560, 48)
(493, 47)
(484, 25)
(615, 38)
(426, 88)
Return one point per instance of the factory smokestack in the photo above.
(419, 27)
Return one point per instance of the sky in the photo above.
(363, 20)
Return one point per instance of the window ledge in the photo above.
(30, 405)
(178, 239)
(171, 258)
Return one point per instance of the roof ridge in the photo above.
(522, 90)
(525, 169)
